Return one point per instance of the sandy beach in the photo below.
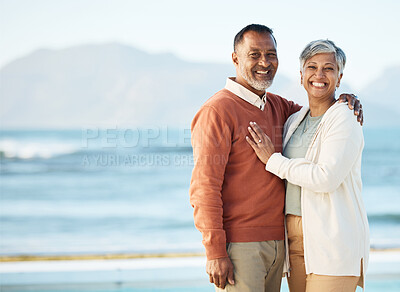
(140, 271)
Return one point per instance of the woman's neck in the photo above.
(318, 107)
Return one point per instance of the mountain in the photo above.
(381, 99)
(104, 85)
(117, 85)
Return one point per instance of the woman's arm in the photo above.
(340, 148)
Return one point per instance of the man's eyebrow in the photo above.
(257, 49)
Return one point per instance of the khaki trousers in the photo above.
(258, 266)
(298, 280)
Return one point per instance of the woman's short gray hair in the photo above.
(323, 46)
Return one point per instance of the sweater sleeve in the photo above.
(288, 107)
(211, 141)
(293, 108)
(341, 146)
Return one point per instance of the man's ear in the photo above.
(235, 59)
(340, 78)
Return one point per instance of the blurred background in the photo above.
(96, 100)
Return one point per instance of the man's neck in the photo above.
(244, 83)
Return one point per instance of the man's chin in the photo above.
(261, 86)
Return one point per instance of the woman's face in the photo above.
(320, 76)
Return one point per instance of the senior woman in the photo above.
(327, 227)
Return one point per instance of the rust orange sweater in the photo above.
(234, 198)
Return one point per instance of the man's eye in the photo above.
(329, 68)
(255, 55)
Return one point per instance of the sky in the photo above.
(203, 31)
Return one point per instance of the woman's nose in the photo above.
(319, 73)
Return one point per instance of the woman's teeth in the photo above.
(317, 84)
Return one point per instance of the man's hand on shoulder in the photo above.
(220, 271)
(354, 104)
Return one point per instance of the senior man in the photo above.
(238, 206)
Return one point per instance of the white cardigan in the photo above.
(335, 225)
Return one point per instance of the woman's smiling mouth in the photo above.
(318, 84)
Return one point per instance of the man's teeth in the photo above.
(262, 72)
(317, 84)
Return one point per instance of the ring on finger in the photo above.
(259, 141)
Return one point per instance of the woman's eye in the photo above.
(311, 67)
(329, 68)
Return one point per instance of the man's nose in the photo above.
(264, 61)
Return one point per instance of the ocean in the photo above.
(96, 191)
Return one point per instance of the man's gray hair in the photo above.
(323, 46)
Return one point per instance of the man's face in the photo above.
(256, 61)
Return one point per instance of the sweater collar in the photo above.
(245, 94)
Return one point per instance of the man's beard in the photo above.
(256, 84)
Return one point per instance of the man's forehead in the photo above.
(258, 41)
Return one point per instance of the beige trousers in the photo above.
(258, 266)
(298, 280)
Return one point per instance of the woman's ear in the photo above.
(338, 82)
(301, 77)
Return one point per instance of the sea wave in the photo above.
(27, 150)
(13, 149)
(384, 218)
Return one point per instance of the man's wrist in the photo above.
(216, 251)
